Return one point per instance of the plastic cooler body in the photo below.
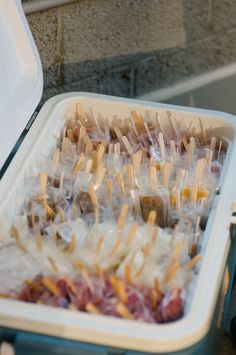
(40, 329)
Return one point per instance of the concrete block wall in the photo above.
(130, 47)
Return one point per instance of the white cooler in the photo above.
(39, 329)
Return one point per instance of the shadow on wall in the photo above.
(205, 39)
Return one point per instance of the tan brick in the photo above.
(107, 28)
(44, 28)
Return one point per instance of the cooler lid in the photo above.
(21, 78)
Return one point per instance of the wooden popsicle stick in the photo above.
(88, 167)
(43, 176)
(189, 127)
(173, 235)
(64, 144)
(151, 218)
(101, 151)
(130, 176)
(99, 272)
(38, 240)
(96, 121)
(136, 159)
(147, 249)
(219, 150)
(156, 285)
(81, 146)
(104, 143)
(141, 269)
(197, 229)
(87, 279)
(61, 213)
(88, 146)
(121, 290)
(171, 271)
(192, 262)
(117, 149)
(185, 143)
(53, 264)
(109, 189)
(209, 156)
(100, 177)
(54, 231)
(51, 286)
(169, 116)
(162, 146)
(95, 160)
(138, 122)
(166, 174)
(154, 236)
(128, 274)
(158, 118)
(70, 135)
(79, 164)
(148, 132)
(56, 156)
(177, 198)
(115, 246)
(203, 132)
(154, 295)
(188, 161)
(71, 248)
(123, 311)
(135, 131)
(122, 216)
(121, 184)
(79, 265)
(110, 148)
(194, 189)
(152, 162)
(81, 116)
(118, 134)
(180, 176)
(82, 134)
(61, 180)
(153, 178)
(199, 171)
(93, 195)
(91, 308)
(71, 285)
(74, 211)
(191, 148)
(127, 145)
(174, 125)
(178, 248)
(213, 144)
(15, 234)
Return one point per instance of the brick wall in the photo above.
(130, 47)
